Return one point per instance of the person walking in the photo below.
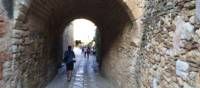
(69, 60)
(85, 52)
(88, 52)
(82, 49)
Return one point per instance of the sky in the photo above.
(84, 30)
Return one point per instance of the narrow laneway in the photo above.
(138, 43)
(85, 75)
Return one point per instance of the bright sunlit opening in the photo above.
(84, 30)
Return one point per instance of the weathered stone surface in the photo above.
(182, 69)
(178, 41)
(192, 20)
(142, 41)
(2, 26)
(5, 42)
(68, 37)
(197, 10)
(15, 49)
(3, 57)
(187, 86)
(17, 34)
(43, 44)
(1, 71)
(198, 32)
(198, 80)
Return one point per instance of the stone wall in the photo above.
(119, 63)
(145, 43)
(170, 50)
(37, 50)
(5, 43)
(68, 37)
(167, 55)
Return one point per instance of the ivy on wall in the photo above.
(98, 46)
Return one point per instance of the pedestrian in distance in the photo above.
(82, 49)
(85, 52)
(88, 52)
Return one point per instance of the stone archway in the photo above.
(38, 38)
(137, 39)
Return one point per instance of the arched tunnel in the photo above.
(42, 23)
(144, 43)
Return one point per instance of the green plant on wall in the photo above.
(98, 46)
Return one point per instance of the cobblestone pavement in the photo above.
(85, 75)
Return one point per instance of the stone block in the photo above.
(194, 53)
(7, 72)
(15, 49)
(197, 11)
(2, 26)
(188, 29)
(3, 57)
(17, 34)
(192, 19)
(187, 86)
(198, 80)
(198, 32)
(28, 41)
(190, 5)
(155, 83)
(182, 69)
(17, 41)
(1, 71)
(184, 31)
(21, 26)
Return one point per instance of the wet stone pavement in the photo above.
(85, 75)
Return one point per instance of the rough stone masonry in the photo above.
(145, 43)
(171, 47)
